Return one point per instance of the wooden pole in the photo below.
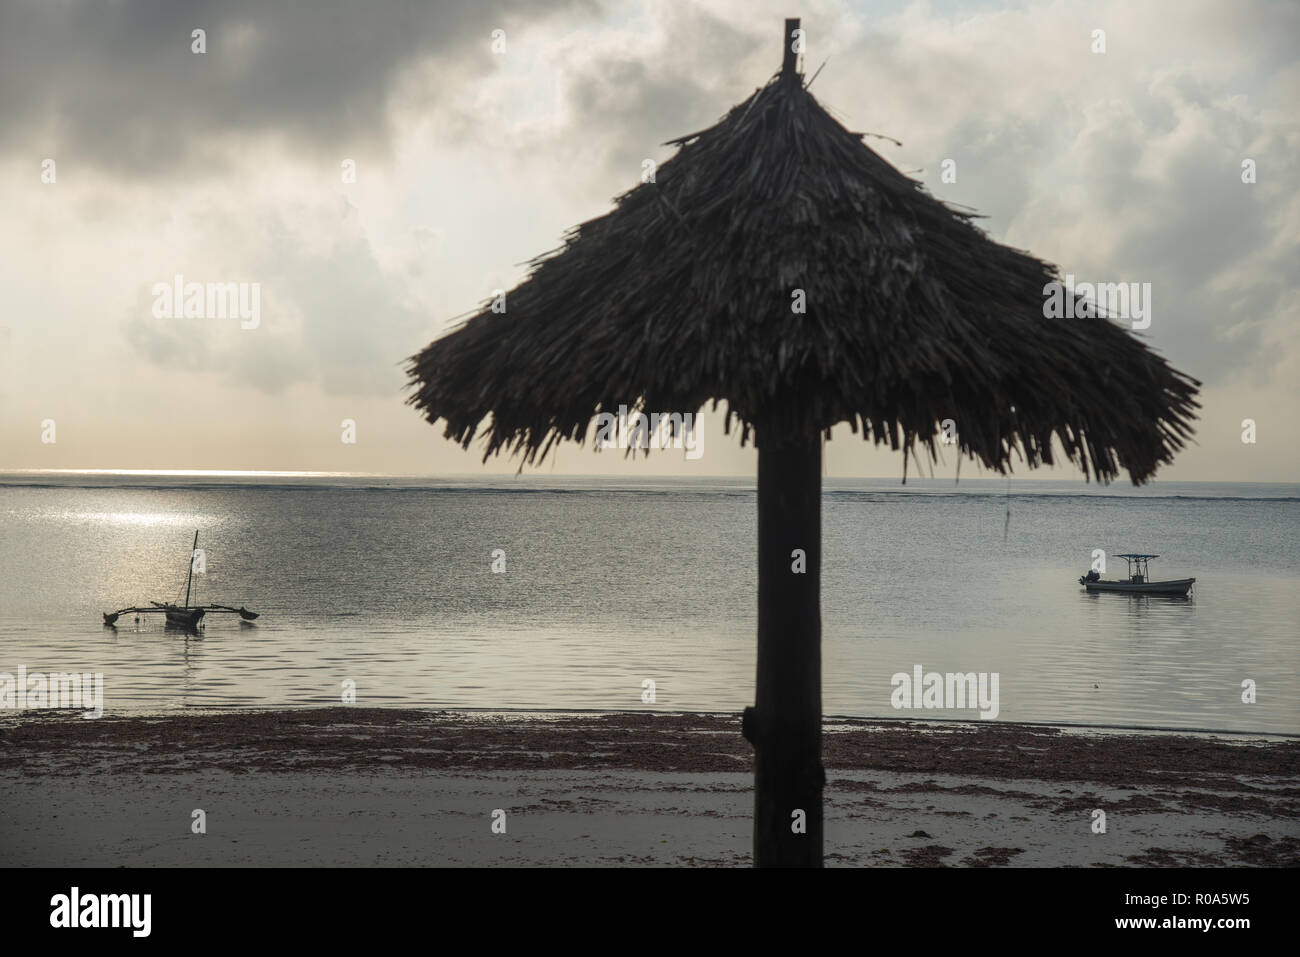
(789, 59)
(786, 722)
(190, 577)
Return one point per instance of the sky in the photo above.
(127, 158)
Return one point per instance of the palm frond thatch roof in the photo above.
(682, 295)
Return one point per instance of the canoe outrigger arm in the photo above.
(242, 612)
(110, 617)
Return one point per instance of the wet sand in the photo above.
(351, 786)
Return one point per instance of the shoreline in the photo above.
(16, 717)
(262, 727)
(365, 786)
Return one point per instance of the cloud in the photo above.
(225, 167)
(116, 86)
(1123, 166)
(330, 314)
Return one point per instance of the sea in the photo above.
(555, 593)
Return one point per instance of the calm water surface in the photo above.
(388, 582)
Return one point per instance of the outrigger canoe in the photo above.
(1138, 581)
(185, 616)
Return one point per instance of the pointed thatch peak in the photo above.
(779, 264)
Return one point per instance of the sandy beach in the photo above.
(350, 786)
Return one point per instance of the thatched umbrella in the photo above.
(688, 292)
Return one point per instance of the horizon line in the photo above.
(297, 473)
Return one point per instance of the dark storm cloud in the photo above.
(116, 86)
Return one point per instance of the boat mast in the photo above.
(190, 577)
